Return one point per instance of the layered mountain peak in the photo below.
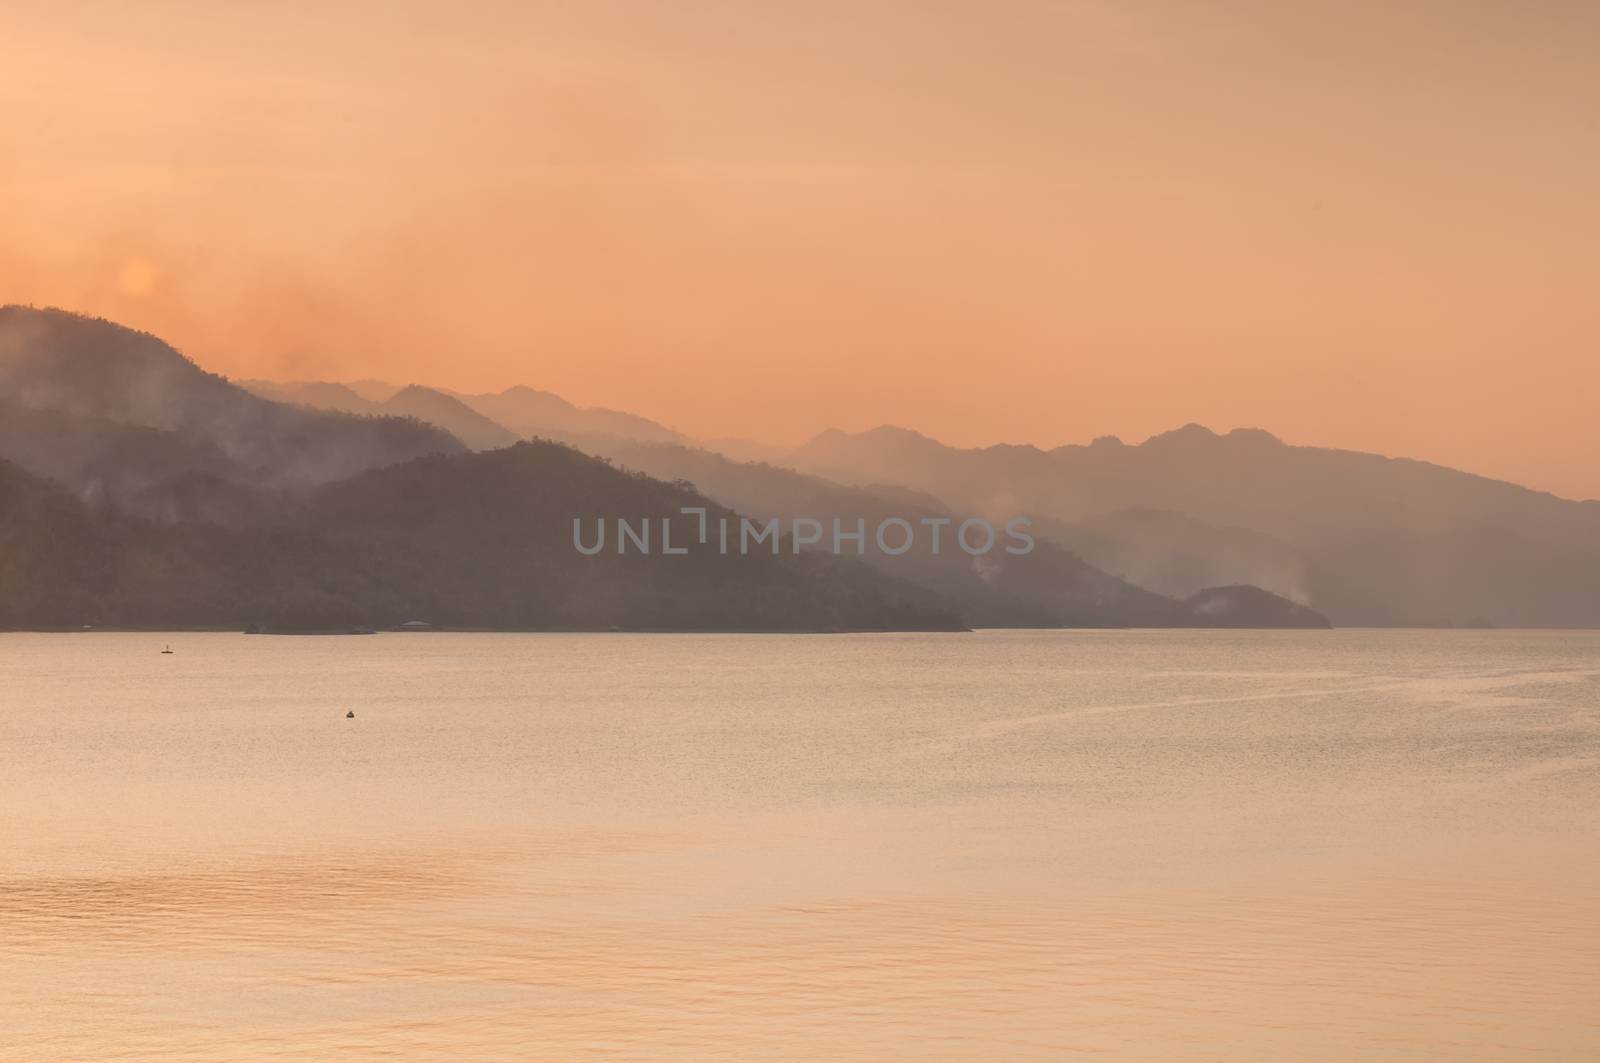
(1259, 436)
(1190, 434)
(452, 414)
(530, 412)
(881, 447)
(524, 394)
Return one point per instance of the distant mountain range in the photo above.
(1047, 587)
(1050, 587)
(1189, 528)
(481, 421)
(1362, 538)
(138, 490)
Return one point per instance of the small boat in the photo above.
(167, 650)
(350, 715)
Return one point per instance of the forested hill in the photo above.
(98, 378)
(465, 541)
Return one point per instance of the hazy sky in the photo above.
(1369, 225)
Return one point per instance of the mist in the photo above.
(762, 226)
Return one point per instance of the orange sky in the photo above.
(1361, 225)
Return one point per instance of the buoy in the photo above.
(350, 715)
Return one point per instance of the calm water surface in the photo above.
(1137, 846)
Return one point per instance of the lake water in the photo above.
(1310, 846)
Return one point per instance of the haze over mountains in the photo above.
(1366, 539)
(142, 491)
(1127, 535)
(96, 379)
(481, 421)
(465, 541)
(1046, 587)
(111, 435)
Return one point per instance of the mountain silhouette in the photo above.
(88, 368)
(1127, 534)
(482, 420)
(1370, 539)
(465, 541)
(319, 394)
(1046, 587)
(530, 412)
(442, 409)
(451, 414)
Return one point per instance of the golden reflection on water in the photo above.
(756, 873)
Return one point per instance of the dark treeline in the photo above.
(465, 541)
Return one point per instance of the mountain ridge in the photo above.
(1486, 547)
(79, 366)
(468, 540)
(1362, 537)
